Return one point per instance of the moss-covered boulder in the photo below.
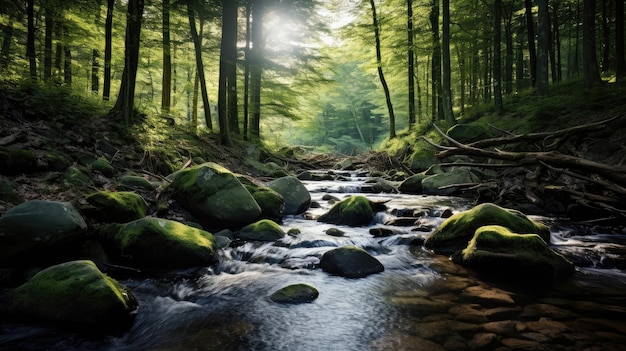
(75, 294)
(117, 206)
(36, 226)
(15, 161)
(412, 184)
(295, 293)
(350, 262)
(75, 176)
(129, 181)
(272, 203)
(156, 243)
(467, 133)
(263, 230)
(422, 159)
(269, 169)
(212, 193)
(520, 257)
(103, 166)
(297, 198)
(454, 233)
(353, 211)
(443, 183)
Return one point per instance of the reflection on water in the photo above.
(420, 301)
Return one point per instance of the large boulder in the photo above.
(353, 211)
(412, 184)
(37, 225)
(350, 262)
(467, 133)
(156, 243)
(74, 294)
(295, 293)
(263, 230)
(443, 183)
(519, 257)
(454, 233)
(212, 193)
(117, 206)
(272, 203)
(297, 198)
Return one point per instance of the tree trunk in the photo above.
(411, 63)
(256, 68)
(228, 54)
(166, 83)
(47, 56)
(67, 58)
(519, 60)
(230, 13)
(591, 74)
(620, 64)
(246, 74)
(200, 66)
(7, 37)
(530, 30)
(95, 68)
(497, 64)
(436, 61)
(508, 39)
(381, 76)
(125, 102)
(108, 29)
(543, 45)
(556, 43)
(606, 37)
(30, 40)
(446, 89)
(575, 70)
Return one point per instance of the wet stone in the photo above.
(468, 313)
(502, 313)
(537, 337)
(483, 341)
(435, 329)
(487, 297)
(548, 327)
(538, 310)
(519, 344)
(504, 328)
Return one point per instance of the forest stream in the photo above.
(421, 301)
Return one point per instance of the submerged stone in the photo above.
(454, 233)
(526, 257)
(75, 293)
(263, 230)
(295, 293)
(350, 262)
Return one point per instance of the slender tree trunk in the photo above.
(256, 68)
(497, 65)
(436, 107)
(67, 58)
(227, 78)
(200, 66)
(556, 32)
(30, 40)
(530, 30)
(95, 68)
(411, 64)
(519, 59)
(446, 82)
(125, 102)
(381, 76)
(108, 30)
(508, 39)
(591, 74)
(246, 74)
(194, 108)
(606, 37)
(7, 38)
(58, 55)
(543, 45)
(577, 45)
(620, 64)
(462, 77)
(166, 82)
(47, 56)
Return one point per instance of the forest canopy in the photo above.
(340, 76)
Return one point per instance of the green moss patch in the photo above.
(118, 206)
(263, 230)
(295, 293)
(353, 211)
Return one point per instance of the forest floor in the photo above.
(66, 130)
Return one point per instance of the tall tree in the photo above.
(227, 79)
(47, 57)
(411, 65)
(246, 73)
(446, 89)
(199, 64)
(108, 30)
(436, 108)
(543, 46)
(256, 67)
(530, 31)
(125, 102)
(67, 57)
(591, 74)
(166, 90)
(497, 62)
(30, 40)
(381, 76)
(620, 64)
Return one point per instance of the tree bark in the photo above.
(166, 83)
(606, 37)
(591, 74)
(411, 63)
(543, 45)
(446, 89)
(530, 30)
(30, 40)
(256, 68)
(229, 41)
(67, 58)
(497, 63)
(108, 30)
(47, 56)
(620, 64)
(381, 76)
(7, 38)
(436, 62)
(246, 73)
(200, 66)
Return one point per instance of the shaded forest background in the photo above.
(338, 76)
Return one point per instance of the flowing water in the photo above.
(421, 301)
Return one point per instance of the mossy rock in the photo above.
(412, 184)
(57, 161)
(263, 230)
(103, 166)
(467, 133)
(422, 159)
(353, 211)
(156, 243)
(75, 176)
(76, 294)
(136, 182)
(441, 184)
(269, 169)
(295, 293)
(36, 226)
(118, 206)
(297, 197)
(519, 257)
(454, 233)
(7, 194)
(213, 193)
(17, 161)
(350, 262)
(272, 203)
